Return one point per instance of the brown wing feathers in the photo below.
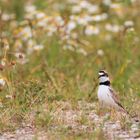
(115, 98)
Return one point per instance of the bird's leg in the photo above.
(100, 109)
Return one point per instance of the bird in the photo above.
(106, 95)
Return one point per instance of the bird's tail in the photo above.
(133, 117)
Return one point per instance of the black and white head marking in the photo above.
(103, 78)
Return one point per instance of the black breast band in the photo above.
(107, 83)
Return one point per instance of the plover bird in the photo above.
(106, 95)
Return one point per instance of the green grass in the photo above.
(54, 74)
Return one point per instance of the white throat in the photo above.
(103, 79)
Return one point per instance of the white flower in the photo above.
(3, 62)
(88, 18)
(38, 47)
(21, 58)
(40, 15)
(42, 22)
(5, 17)
(9, 96)
(82, 51)
(91, 30)
(131, 29)
(30, 42)
(113, 28)
(30, 45)
(59, 20)
(51, 29)
(100, 17)
(68, 47)
(82, 21)
(84, 4)
(2, 82)
(30, 8)
(6, 47)
(20, 55)
(133, 1)
(76, 9)
(25, 33)
(115, 5)
(70, 26)
(93, 9)
(100, 52)
(73, 1)
(107, 2)
(129, 23)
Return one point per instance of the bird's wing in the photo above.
(115, 98)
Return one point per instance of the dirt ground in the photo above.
(80, 120)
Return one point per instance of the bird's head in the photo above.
(103, 77)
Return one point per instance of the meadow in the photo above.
(50, 55)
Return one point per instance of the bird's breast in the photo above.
(104, 95)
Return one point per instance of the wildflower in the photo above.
(82, 51)
(3, 62)
(117, 7)
(84, 4)
(21, 59)
(26, 33)
(100, 52)
(100, 17)
(6, 17)
(42, 22)
(82, 21)
(51, 29)
(91, 30)
(40, 15)
(30, 8)
(30, 45)
(131, 29)
(68, 47)
(38, 47)
(59, 20)
(113, 28)
(92, 9)
(76, 9)
(2, 82)
(70, 26)
(73, 1)
(128, 23)
(6, 47)
(9, 96)
(107, 2)
(20, 55)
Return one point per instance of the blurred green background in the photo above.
(52, 50)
